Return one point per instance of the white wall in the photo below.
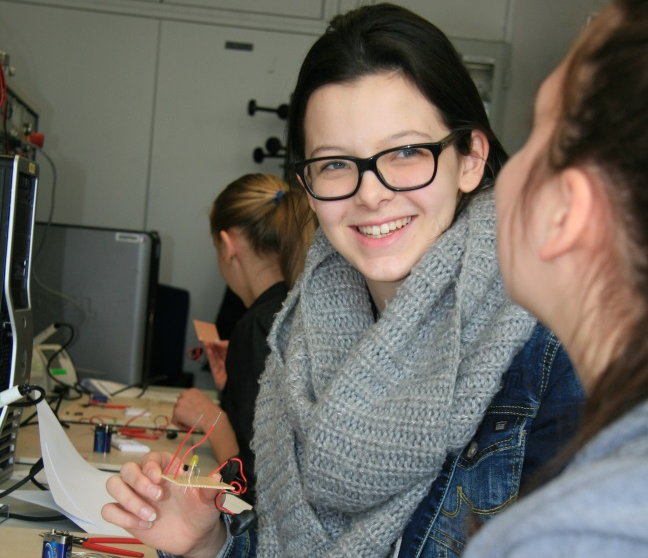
(540, 32)
(144, 110)
(91, 77)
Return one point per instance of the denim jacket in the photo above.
(531, 417)
(528, 421)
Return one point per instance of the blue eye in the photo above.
(407, 152)
(330, 165)
(335, 165)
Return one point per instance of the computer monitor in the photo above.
(102, 282)
(18, 186)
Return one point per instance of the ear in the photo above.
(228, 246)
(473, 164)
(572, 222)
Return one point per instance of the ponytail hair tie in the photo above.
(278, 197)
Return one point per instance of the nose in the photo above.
(372, 192)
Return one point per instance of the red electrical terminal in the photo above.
(36, 138)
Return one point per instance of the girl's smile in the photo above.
(384, 229)
(383, 233)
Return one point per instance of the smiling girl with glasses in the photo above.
(404, 390)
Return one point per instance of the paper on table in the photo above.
(39, 497)
(77, 487)
(44, 498)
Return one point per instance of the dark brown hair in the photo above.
(603, 124)
(388, 38)
(272, 217)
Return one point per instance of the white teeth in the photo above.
(384, 229)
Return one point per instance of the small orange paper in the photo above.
(206, 331)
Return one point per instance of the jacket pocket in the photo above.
(484, 481)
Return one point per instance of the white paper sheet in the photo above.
(39, 497)
(44, 498)
(77, 487)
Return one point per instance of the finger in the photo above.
(154, 463)
(131, 510)
(115, 514)
(209, 347)
(134, 480)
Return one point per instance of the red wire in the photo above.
(139, 433)
(167, 422)
(166, 470)
(218, 506)
(242, 488)
(135, 417)
(209, 431)
(160, 429)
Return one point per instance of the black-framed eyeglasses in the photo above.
(404, 168)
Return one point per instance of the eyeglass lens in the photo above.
(402, 168)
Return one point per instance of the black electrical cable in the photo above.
(120, 390)
(44, 518)
(148, 383)
(64, 346)
(143, 385)
(50, 216)
(33, 471)
(77, 386)
(59, 401)
(30, 402)
(39, 485)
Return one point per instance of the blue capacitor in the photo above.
(103, 438)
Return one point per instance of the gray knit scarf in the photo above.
(355, 417)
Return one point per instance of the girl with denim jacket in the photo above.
(401, 381)
(574, 250)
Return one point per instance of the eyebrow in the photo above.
(425, 138)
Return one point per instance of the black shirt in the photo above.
(245, 361)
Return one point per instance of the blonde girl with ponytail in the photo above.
(261, 230)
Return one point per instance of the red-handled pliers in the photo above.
(138, 433)
(94, 543)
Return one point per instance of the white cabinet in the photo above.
(306, 9)
(484, 20)
(204, 137)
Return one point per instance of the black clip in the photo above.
(231, 472)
